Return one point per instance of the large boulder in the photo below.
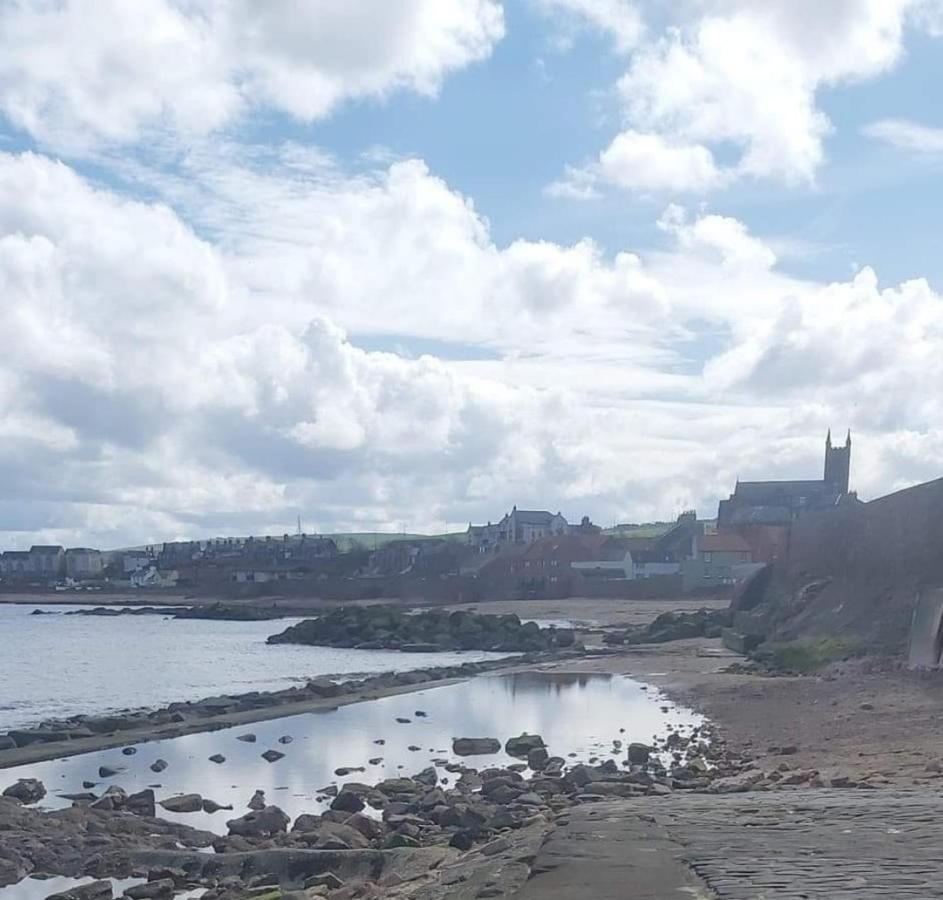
(185, 803)
(26, 790)
(638, 754)
(348, 801)
(522, 746)
(466, 746)
(261, 823)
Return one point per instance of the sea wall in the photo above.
(856, 571)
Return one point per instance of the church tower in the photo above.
(838, 463)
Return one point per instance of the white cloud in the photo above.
(906, 135)
(619, 18)
(77, 75)
(745, 75)
(723, 236)
(644, 162)
(157, 383)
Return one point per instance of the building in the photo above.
(781, 502)
(718, 559)
(46, 561)
(519, 526)
(82, 564)
(14, 565)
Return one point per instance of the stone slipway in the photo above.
(812, 844)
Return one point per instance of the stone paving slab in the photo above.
(756, 846)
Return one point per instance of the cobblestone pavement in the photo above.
(756, 846)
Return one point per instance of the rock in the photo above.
(429, 777)
(26, 790)
(211, 806)
(108, 772)
(272, 756)
(347, 770)
(537, 758)
(258, 801)
(522, 746)
(185, 803)
(141, 804)
(285, 739)
(638, 754)
(420, 714)
(475, 746)
(217, 758)
(7, 743)
(375, 761)
(736, 784)
(246, 738)
(399, 786)
(403, 721)
(159, 765)
(259, 823)
(463, 839)
(323, 687)
(151, 890)
(371, 829)
(340, 836)
(399, 840)
(96, 890)
(328, 880)
(348, 801)
(129, 751)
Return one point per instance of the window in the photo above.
(707, 556)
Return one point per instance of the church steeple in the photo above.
(838, 463)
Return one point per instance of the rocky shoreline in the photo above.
(217, 612)
(467, 833)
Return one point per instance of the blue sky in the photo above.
(396, 265)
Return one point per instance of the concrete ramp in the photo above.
(926, 640)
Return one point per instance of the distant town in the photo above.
(527, 553)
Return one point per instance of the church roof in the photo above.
(757, 491)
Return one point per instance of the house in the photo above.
(612, 560)
(719, 559)
(550, 558)
(136, 561)
(82, 564)
(519, 526)
(781, 502)
(46, 561)
(152, 577)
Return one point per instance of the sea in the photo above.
(59, 665)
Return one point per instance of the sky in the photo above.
(402, 265)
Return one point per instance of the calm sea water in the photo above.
(59, 665)
(581, 714)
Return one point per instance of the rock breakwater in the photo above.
(387, 628)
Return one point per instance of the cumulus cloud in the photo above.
(747, 75)
(644, 162)
(196, 364)
(76, 83)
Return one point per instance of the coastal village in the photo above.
(525, 554)
(746, 708)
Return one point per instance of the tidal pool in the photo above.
(575, 714)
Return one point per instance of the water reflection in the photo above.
(581, 714)
(40, 888)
